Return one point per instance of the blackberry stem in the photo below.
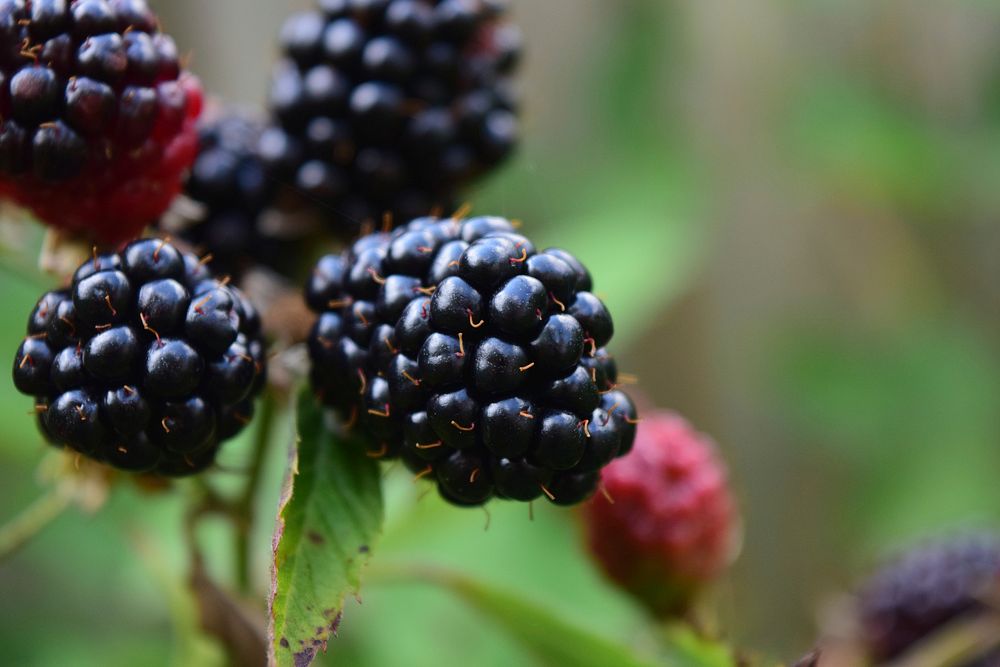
(16, 533)
(244, 508)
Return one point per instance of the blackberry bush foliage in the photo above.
(914, 597)
(475, 358)
(665, 528)
(145, 363)
(98, 119)
(394, 106)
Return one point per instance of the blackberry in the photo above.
(473, 357)
(234, 187)
(926, 589)
(97, 117)
(145, 363)
(395, 105)
(664, 529)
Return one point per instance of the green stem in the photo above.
(19, 531)
(244, 507)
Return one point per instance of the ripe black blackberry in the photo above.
(145, 363)
(98, 118)
(395, 105)
(234, 186)
(925, 590)
(473, 357)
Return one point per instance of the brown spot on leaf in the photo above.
(363, 549)
(315, 537)
(305, 657)
(284, 642)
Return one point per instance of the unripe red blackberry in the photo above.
(476, 358)
(395, 105)
(926, 589)
(665, 526)
(98, 119)
(145, 363)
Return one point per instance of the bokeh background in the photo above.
(791, 208)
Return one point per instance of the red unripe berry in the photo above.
(665, 525)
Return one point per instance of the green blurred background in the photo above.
(791, 209)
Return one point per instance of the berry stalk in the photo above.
(16, 533)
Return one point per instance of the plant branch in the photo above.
(236, 628)
(19, 530)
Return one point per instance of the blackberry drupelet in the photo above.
(234, 186)
(395, 105)
(145, 363)
(473, 357)
(98, 119)
(926, 589)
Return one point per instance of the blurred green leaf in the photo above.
(192, 647)
(630, 88)
(860, 139)
(510, 546)
(551, 638)
(331, 512)
(912, 418)
(686, 649)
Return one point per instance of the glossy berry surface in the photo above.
(98, 119)
(455, 346)
(664, 526)
(925, 590)
(394, 106)
(234, 186)
(145, 362)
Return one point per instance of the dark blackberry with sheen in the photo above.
(925, 590)
(98, 119)
(145, 363)
(474, 357)
(234, 187)
(395, 105)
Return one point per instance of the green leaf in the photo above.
(330, 513)
(553, 639)
(686, 649)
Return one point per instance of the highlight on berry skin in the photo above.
(664, 526)
(98, 115)
(478, 360)
(145, 362)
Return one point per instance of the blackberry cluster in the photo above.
(473, 357)
(145, 363)
(394, 105)
(925, 590)
(234, 185)
(98, 119)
